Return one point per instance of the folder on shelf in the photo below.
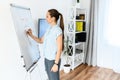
(80, 37)
(79, 26)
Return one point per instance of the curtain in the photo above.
(91, 44)
(112, 32)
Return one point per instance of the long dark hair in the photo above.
(54, 13)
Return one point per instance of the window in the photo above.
(113, 23)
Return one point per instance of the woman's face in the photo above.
(48, 18)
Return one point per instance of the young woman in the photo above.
(53, 43)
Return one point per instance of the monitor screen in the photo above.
(42, 27)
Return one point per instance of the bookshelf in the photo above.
(76, 32)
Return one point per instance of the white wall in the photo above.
(10, 61)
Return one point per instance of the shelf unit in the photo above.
(76, 33)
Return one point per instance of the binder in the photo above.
(80, 26)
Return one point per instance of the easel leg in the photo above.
(28, 76)
(43, 75)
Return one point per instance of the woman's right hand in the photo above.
(29, 32)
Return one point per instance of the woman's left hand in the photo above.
(54, 68)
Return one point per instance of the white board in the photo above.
(29, 48)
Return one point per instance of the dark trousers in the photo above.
(52, 75)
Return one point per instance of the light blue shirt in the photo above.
(50, 42)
